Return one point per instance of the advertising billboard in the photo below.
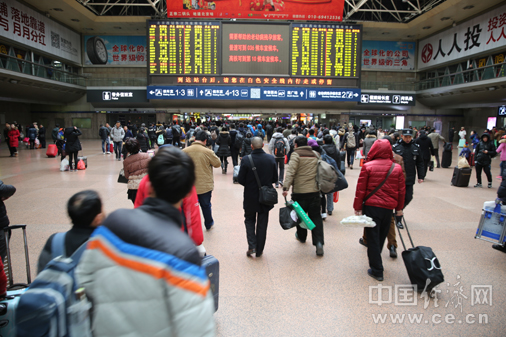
(319, 10)
(388, 55)
(115, 50)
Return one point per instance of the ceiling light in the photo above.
(57, 9)
(87, 28)
(468, 7)
(427, 27)
(75, 20)
(445, 18)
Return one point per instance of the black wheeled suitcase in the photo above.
(212, 266)
(422, 265)
(343, 162)
(446, 161)
(461, 176)
(9, 303)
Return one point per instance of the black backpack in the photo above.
(279, 147)
(176, 130)
(239, 139)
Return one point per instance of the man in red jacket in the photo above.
(380, 189)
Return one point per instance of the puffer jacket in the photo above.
(72, 136)
(117, 134)
(224, 141)
(275, 137)
(246, 147)
(14, 138)
(391, 194)
(482, 158)
(135, 168)
(143, 254)
(204, 160)
(502, 149)
(142, 138)
(368, 141)
(301, 173)
(6, 191)
(31, 133)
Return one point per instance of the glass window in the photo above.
(82, 123)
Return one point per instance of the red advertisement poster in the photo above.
(317, 10)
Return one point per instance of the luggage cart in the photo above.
(492, 227)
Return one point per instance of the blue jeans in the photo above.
(105, 142)
(205, 205)
(117, 149)
(330, 202)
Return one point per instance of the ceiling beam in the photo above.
(355, 9)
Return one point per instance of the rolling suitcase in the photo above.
(111, 148)
(470, 160)
(85, 159)
(212, 266)
(52, 151)
(446, 161)
(9, 303)
(461, 176)
(422, 265)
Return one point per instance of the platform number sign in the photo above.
(502, 110)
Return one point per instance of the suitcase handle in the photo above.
(14, 227)
(409, 235)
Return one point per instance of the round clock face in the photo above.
(101, 50)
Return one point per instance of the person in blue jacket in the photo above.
(259, 132)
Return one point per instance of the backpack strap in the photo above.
(58, 245)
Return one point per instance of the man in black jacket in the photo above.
(484, 152)
(426, 149)
(6, 191)
(86, 212)
(254, 212)
(103, 132)
(42, 136)
(152, 135)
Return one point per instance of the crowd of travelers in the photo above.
(167, 187)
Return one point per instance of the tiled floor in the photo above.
(289, 291)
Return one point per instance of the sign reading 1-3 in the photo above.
(259, 93)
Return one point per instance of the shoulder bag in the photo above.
(267, 194)
(379, 186)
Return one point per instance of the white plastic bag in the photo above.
(463, 162)
(64, 165)
(358, 221)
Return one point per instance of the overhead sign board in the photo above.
(116, 96)
(28, 27)
(483, 33)
(388, 55)
(256, 93)
(501, 111)
(314, 10)
(387, 99)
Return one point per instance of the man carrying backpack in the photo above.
(86, 213)
(54, 133)
(279, 148)
(152, 135)
(301, 174)
(350, 141)
(176, 135)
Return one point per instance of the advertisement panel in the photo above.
(115, 50)
(23, 25)
(258, 93)
(388, 55)
(319, 10)
(483, 33)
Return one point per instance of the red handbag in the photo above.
(336, 196)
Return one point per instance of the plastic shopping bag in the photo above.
(463, 162)
(64, 165)
(81, 165)
(358, 221)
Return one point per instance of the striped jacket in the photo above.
(138, 291)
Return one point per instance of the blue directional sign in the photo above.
(259, 93)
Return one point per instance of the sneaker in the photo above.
(478, 185)
(489, 185)
(324, 216)
(103, 153)
(108, 152)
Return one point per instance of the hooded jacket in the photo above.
(73, 144)
(368, 141)
(259, 132)
(301, 172)
(391, 194)
(143, 254)
(275, 137)
(224, 141)
(481, 157)
(502, 149)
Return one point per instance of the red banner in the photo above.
(314, 10)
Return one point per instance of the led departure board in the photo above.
(323, 50)
(255, 49)
(184, 48)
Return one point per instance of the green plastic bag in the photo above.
(305, 221)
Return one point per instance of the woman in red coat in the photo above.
(379, 205)
(13, 140)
